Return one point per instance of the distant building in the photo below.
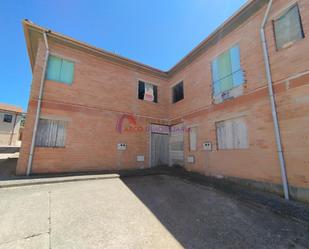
(10, 117)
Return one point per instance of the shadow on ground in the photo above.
(8, 168)
(201, 217)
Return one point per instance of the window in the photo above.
(226, 71)
(7, 118)
(147, 91)
(232, 134)
(178, 92)
(193, 138)
(60, 70)
(51, 133)
(288, 27)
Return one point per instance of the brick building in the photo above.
(211, 113)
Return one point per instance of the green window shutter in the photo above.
(67, 72)
(215, 77)
(238, 77)
(225, 71)
(53, 68)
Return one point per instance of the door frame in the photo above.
(150, 140)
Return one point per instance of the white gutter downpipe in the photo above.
(273, 104)
(38, 109)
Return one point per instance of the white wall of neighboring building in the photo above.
(7, 129)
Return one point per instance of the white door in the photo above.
(159, 149)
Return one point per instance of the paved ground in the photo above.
(138, 212)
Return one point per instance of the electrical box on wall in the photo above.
(140, 158)
(121, 146)
(190, 159)
(207, 146)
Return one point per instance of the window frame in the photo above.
(183, 91)
(278, 16)
(236, 44)
(220, 122)
(62, 58)
(155, 96)
(55, 146)
(4, 118)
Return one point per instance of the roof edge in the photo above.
(246, 11)
(252, 6)
(29, 26)
(10, 108)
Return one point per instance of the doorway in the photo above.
(159, 146)
(167, 145)
(159, 149)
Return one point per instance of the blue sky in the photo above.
(158, 33)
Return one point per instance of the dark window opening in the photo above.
(147, 91)
(178, 92)
(7, 118)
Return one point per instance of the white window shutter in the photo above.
(193, 138)
(221, 136)
(232, 134)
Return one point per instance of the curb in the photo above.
(29, 182)
(49, 179)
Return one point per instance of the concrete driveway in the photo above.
(138, 212)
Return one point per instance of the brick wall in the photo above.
(102, 91)
(100, 94)
(259, 161)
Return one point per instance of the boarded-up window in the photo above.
(288, 27)
(193, 138)
(60, 70)
(147, 91)
(226, 71)
(51, 133)
(232, 134)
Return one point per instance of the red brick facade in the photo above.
(103, 90)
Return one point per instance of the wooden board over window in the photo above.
(232, 134)
(288, 27)
(51, 133)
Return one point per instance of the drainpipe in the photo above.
(13, 129)
(273, 104)
(38, 109)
